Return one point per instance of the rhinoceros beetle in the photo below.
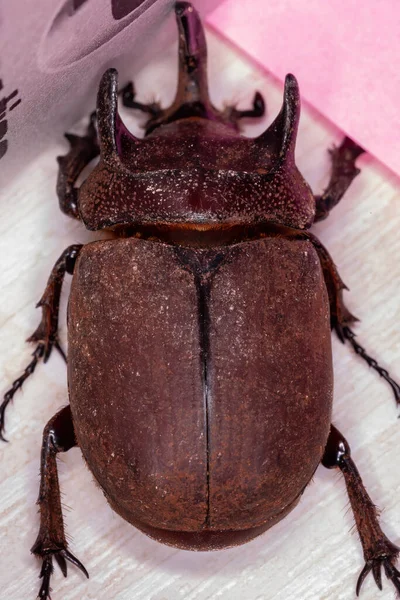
(199, 351)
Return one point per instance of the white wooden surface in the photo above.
(311, 555)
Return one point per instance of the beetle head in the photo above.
(193, 168)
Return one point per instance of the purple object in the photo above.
(52, 58)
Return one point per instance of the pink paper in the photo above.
(345, 54)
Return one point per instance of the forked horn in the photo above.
(280, 137)
(191, 98)
(192, 57)
(112, 131)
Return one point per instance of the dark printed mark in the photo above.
(60, 47)
(77, 4)
(119, 8)
(3, 121)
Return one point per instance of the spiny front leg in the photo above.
(344, 170)
(378, 550)
(46, 335)
(58, 436)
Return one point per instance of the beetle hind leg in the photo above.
(58, 436)
(378, 550)
(46, 334)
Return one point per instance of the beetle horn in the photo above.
(192, 82)
(281, 134)
(112, 131)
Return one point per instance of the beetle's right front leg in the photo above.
(379, 551)
(46, 335)
(58, 436)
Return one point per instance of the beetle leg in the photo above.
(83, 149)
(58, 436)
(341, 317)
(350, 336)
(128, 100)
(233, 114)
(344, 170)
(46, 334)
(378, 550)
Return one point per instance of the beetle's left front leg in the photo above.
(46, 335)
(58, 436)
(341, 317)
(378, 550)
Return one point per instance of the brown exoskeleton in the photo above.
(199, 358)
